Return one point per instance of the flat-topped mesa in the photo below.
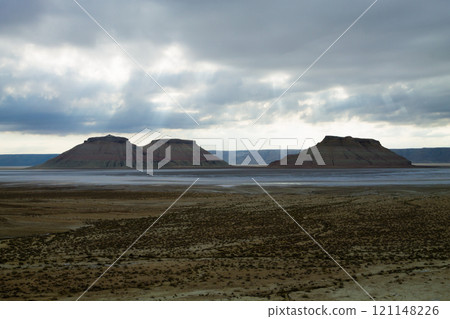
(348, 141)
(96, 152)
(346, 152)
(110, 152)
(182, 153)
(107, 139)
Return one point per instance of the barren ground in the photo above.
(225, 244)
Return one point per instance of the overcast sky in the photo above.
(63, 79)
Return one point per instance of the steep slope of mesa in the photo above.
(349, 152)
(182, 154)
(96, 152)
(110, 152)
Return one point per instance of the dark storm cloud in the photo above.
(48, 22)
(37, 113)
(422, 105)
(393, 64)
(18, 13)
(229, 88)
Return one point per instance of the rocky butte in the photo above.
(346, 152)
(110, 152)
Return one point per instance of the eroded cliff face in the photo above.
(348, 152)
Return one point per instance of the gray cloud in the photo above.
(393, 64)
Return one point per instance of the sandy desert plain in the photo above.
(224, 243)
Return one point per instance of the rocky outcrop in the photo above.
(110, 152)
(347, 152)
